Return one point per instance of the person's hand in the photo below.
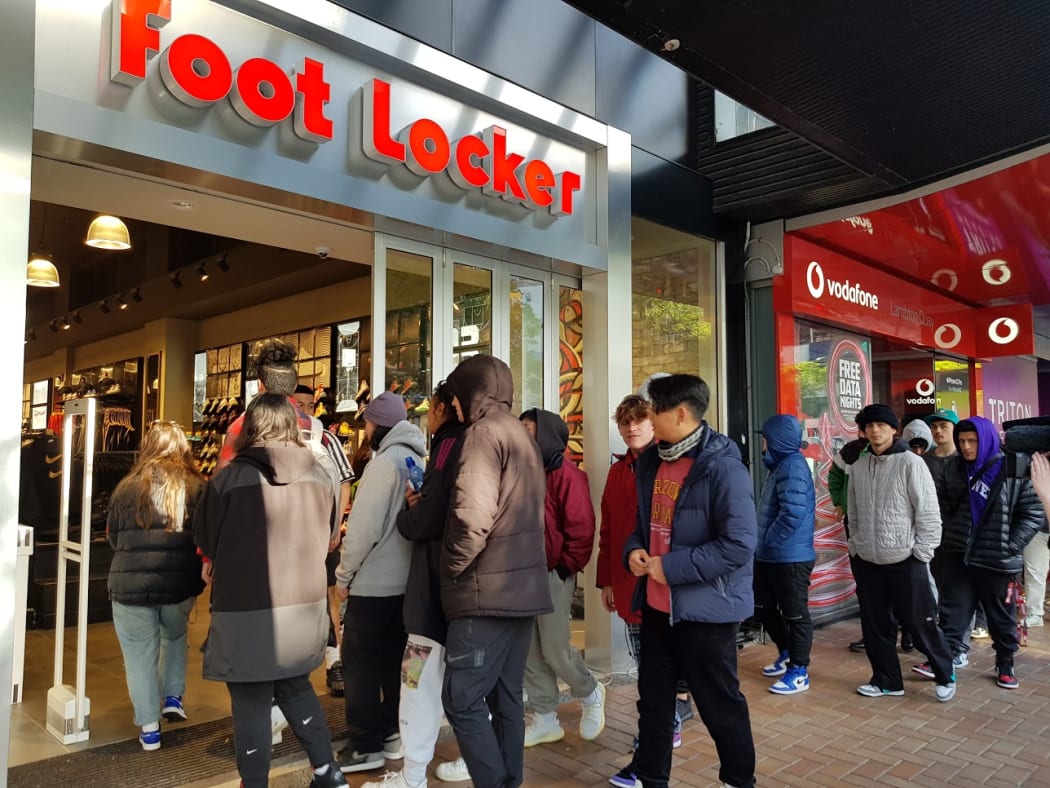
(656, 570)
(607, 599)
(638, 562)
(1041, 478)
(206, 570)
(411, 496)
(343, 592)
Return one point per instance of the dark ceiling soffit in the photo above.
(636, 23)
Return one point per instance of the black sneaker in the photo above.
(857, 645)
(333, 778)
(907, 642)
(334, 679)
(684, 709)
(350, 760)
(1005, 677)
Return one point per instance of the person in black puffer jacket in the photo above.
(155, 575)
(985, 536)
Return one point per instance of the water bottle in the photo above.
(415, 474)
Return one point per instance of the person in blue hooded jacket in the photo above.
(784, 555)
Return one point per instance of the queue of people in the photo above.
(457, 592)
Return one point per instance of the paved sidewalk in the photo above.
(831, 736)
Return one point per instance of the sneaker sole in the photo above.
(172, 715)
(548, 738)
(925, 674)
(772, 674)
(367, 766)
(149, 747)
(892, 694)
(945, 700)
(454, 779)
(393, 756)
(791, 691)
(1007, 686)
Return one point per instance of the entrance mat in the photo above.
(189, 753)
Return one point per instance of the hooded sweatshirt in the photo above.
(786, 510)
(375, 556)
(568, 511)
(493, 561)
(917, 428)
(265, 521)
(984, 470)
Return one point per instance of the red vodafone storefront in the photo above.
(849, 333)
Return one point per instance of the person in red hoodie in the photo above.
(569, 537)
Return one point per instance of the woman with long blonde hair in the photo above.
(155, 575)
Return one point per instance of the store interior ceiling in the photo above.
(271, 253)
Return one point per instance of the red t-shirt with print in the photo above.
(668, 484)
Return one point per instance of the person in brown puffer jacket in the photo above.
(493, 573)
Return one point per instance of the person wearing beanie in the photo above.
(895, 525)
(372, 576)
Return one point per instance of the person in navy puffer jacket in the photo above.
(784, 555)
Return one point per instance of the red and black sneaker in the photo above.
(1005, 677)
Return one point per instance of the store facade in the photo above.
(469, 215)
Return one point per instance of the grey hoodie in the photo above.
(375, 556)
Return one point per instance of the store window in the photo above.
(733, 119)
(674, 295)
(526, 341)
(409, 338)
(471, 312)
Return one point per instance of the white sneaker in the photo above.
(592, 717)
(540, 731)
(392, 749)
(277, 724)
(393, 780)
(453, 771)
(1033, 622)
(945, 692)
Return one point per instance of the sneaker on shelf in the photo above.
(544, 730)
(333, 778)
(857, 645)
(150, 740)
(779, 666)
(945, 692)
(1005, 677)
(923, 669)
(394, 780)
(794, 681)
(350, 760)
(907, 642)
(960, 660)
(625, 778)
(277, 724)
(872, 691)
(592, 716)
(173, 710)
(684, 708)
(453, 771)
(979, 633)
(334, 679)
(392, 749)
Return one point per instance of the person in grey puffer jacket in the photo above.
(895, 525)
(372, 575)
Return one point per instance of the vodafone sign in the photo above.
(198, 73)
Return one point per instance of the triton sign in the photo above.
(198, 73)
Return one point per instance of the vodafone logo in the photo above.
(996, 272)
(854, 293)
(946, 278)
(947, 336)
(924, 387)
(1003, 330)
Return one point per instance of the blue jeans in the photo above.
(153, 640)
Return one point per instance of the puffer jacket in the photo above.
(493, 561)
(710, 565)
(787, 507)
(152, 566)
(375, 556)
(953, 497)
(893, 510)
(264, 521)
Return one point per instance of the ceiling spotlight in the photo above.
(108, 232)
(104, 306)
(121, 302)
(41, 271)
(66, 325)
(202, 272)
(136, 296)
(53, 325)
(176, 279)
(77, 318)
(223, 265)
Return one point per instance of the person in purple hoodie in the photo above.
(1001, 515)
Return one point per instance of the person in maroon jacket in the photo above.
(569, 537)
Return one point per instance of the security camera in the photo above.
(323, 251)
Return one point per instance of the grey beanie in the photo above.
(386, 410)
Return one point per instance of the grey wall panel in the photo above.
(671, 195)
(543, 45)
(646, 96)
(429, 22)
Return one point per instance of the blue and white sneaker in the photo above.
(624, 778)
(794, 681)
(173, 710)
(150, 740)
(779, 666)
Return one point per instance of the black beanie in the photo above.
(877, 412)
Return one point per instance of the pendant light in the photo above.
(41, 272)
(108, 232)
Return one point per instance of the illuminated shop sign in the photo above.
(197, 72)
